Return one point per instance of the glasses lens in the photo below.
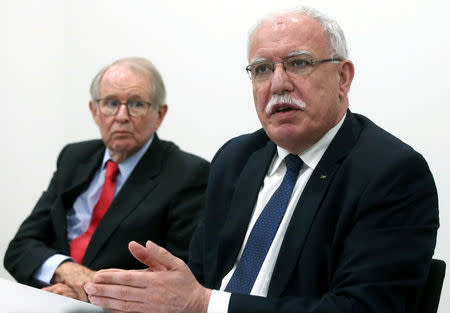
(137, 108)
(109, 106)
(298, 66)
(261, 71)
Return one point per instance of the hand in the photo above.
(74, 276)
(62, 289)
(167, 286)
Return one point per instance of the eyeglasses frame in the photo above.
(311, 62)
(126, 103)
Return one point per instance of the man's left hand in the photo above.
(62, 289)
(73, 275)
(168, 285)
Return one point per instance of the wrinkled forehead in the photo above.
(285, 33)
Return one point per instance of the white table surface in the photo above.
(18, 298)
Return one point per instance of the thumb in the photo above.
(143, 255)
(154, 256)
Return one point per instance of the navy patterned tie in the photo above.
(264, 231)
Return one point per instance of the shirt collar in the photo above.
(310, 156)
(127, 165)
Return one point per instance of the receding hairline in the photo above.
(281, 19)
(138, 65)
(329, 26)
(126, 67)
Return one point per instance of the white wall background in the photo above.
(51, 49)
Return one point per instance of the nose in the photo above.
(122, 115)
(280, 81)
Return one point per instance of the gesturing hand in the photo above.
(168, 285)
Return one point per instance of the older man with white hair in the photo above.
(130, 185)
(319, 211)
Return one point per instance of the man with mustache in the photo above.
(130, 185)
(319, 211)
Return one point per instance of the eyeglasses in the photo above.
(297, 65)
(135, 108)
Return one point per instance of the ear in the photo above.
(162, 110)
(347, 71)
(93, 108)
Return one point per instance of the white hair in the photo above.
(141, 65)
(335, 34)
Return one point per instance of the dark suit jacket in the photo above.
(161, 201)
(361, 237)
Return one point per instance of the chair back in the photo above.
(431, 293)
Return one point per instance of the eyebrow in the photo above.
(258, 60)
(294, 53)
(298, 53)
(131, 97)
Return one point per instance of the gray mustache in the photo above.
(276, 99)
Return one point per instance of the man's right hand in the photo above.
(167, 286)
(69, 280)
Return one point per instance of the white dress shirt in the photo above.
(219, 300)
(79, 216)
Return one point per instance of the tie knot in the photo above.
(293, 163)
(111, 170)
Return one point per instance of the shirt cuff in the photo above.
(219, 301)
(45, 272)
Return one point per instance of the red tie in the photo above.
(78, 245)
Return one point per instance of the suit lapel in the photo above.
(139, 184)
(83, 175)
(309, 204)
(241, 209)
(78, 182)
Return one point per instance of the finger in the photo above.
(144, 255)
(54, 287)
(154, 256)
(110, 270)
(164, 257)
(125, 278)
(81, 294)
(115, 305)
(117, 292)
(61, 289)
(115, 270)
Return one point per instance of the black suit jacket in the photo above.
(161, 200)
(361, 237)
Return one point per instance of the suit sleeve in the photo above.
(186, 208)
(30, 246)
(196, 255)
(386, 251)
(196, 247)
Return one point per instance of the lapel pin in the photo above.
(323, 176)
